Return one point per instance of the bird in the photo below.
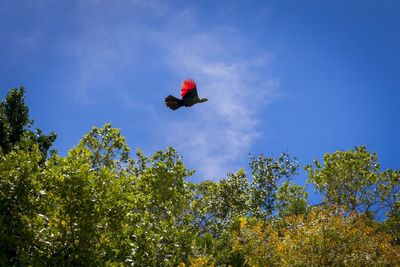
(188, 94)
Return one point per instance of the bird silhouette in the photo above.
(188, 94)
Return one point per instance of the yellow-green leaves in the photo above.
(347, 178)
(99, 207)
(322, 238)
(107, 145)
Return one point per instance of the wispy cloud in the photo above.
(99, 55)
(214, 137)
(219, 134)
(107, 44)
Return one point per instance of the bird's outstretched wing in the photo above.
(189, 89)
(173, 103)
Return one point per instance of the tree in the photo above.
(267, 174)
(14, 118)
(219, 203)
(389, 201)
(107, 146)
(322, 238)
(161, 229)
(87, 202)
(99, 206)
(291, 199)
(20, 197)
(348, 178)
(15, 124)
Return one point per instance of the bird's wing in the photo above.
(173, 103)
(189, 89)
(191, 94)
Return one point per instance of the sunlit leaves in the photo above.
(291, 200)
(107, 146)
(322, 238)
(267, 174)
(389, 200)
(20, 198)
(98, 206)
(347, 178)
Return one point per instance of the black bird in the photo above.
(189, 96)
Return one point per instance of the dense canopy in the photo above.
(102, 205)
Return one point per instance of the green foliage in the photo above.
(352, 179)
(322, 238)
(267, 173)
(20, 197)
(15, 124)
(348, 178)
(162, 231)
(389, 200)
(43, 141)
(107, 146)
(14, 118)
(98, 206)
(291, 200)
(235, 196)
(218, 204)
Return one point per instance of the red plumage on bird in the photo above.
(188, 94)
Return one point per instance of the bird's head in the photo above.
(203, 100)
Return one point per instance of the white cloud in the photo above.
(217, 137)
(214, 137)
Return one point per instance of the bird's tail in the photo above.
(173, 103)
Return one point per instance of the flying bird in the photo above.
(188, 94)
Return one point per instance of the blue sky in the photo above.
(305, 77)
